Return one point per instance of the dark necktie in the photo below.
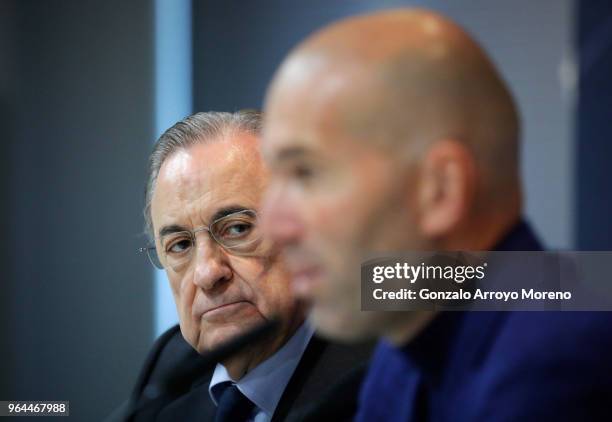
(233, 405)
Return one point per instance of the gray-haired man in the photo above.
(206, 180)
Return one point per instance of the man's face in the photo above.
(331, 201)
(218, 294)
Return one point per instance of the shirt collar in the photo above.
(264, 384)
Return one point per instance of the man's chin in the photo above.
(339, 325)
(212, 338)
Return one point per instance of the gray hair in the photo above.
(195, 129)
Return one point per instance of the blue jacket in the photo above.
(496, 366)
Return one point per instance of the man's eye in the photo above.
(303, 172)
(237, 230)
(178, 246)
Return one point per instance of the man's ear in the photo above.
(446, 187)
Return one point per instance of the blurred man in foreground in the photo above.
(394, 132)
(206, 179)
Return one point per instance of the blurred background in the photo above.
(87, 86)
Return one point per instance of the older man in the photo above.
(394, 132)
(206, 179)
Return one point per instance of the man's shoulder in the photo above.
(325, 380)
(548, 336)
(536, 340)
(538, 360)
(169, 349)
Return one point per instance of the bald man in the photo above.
(394, 132)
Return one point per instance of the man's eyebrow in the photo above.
(173, 228)
(292, 152)
(225, 211)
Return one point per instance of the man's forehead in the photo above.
(295, 124)
(316, 111)
(310, 86)
(206, 162)
(294, 135)
(205, 177)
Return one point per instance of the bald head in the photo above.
(406, 79)
(386, 132)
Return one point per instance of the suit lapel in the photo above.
(196, 405)
(292, 396)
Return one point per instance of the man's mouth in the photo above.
(222, 310)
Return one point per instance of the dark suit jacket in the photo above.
(325, 383)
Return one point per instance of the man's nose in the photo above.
(211, 266)
(281, 221)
